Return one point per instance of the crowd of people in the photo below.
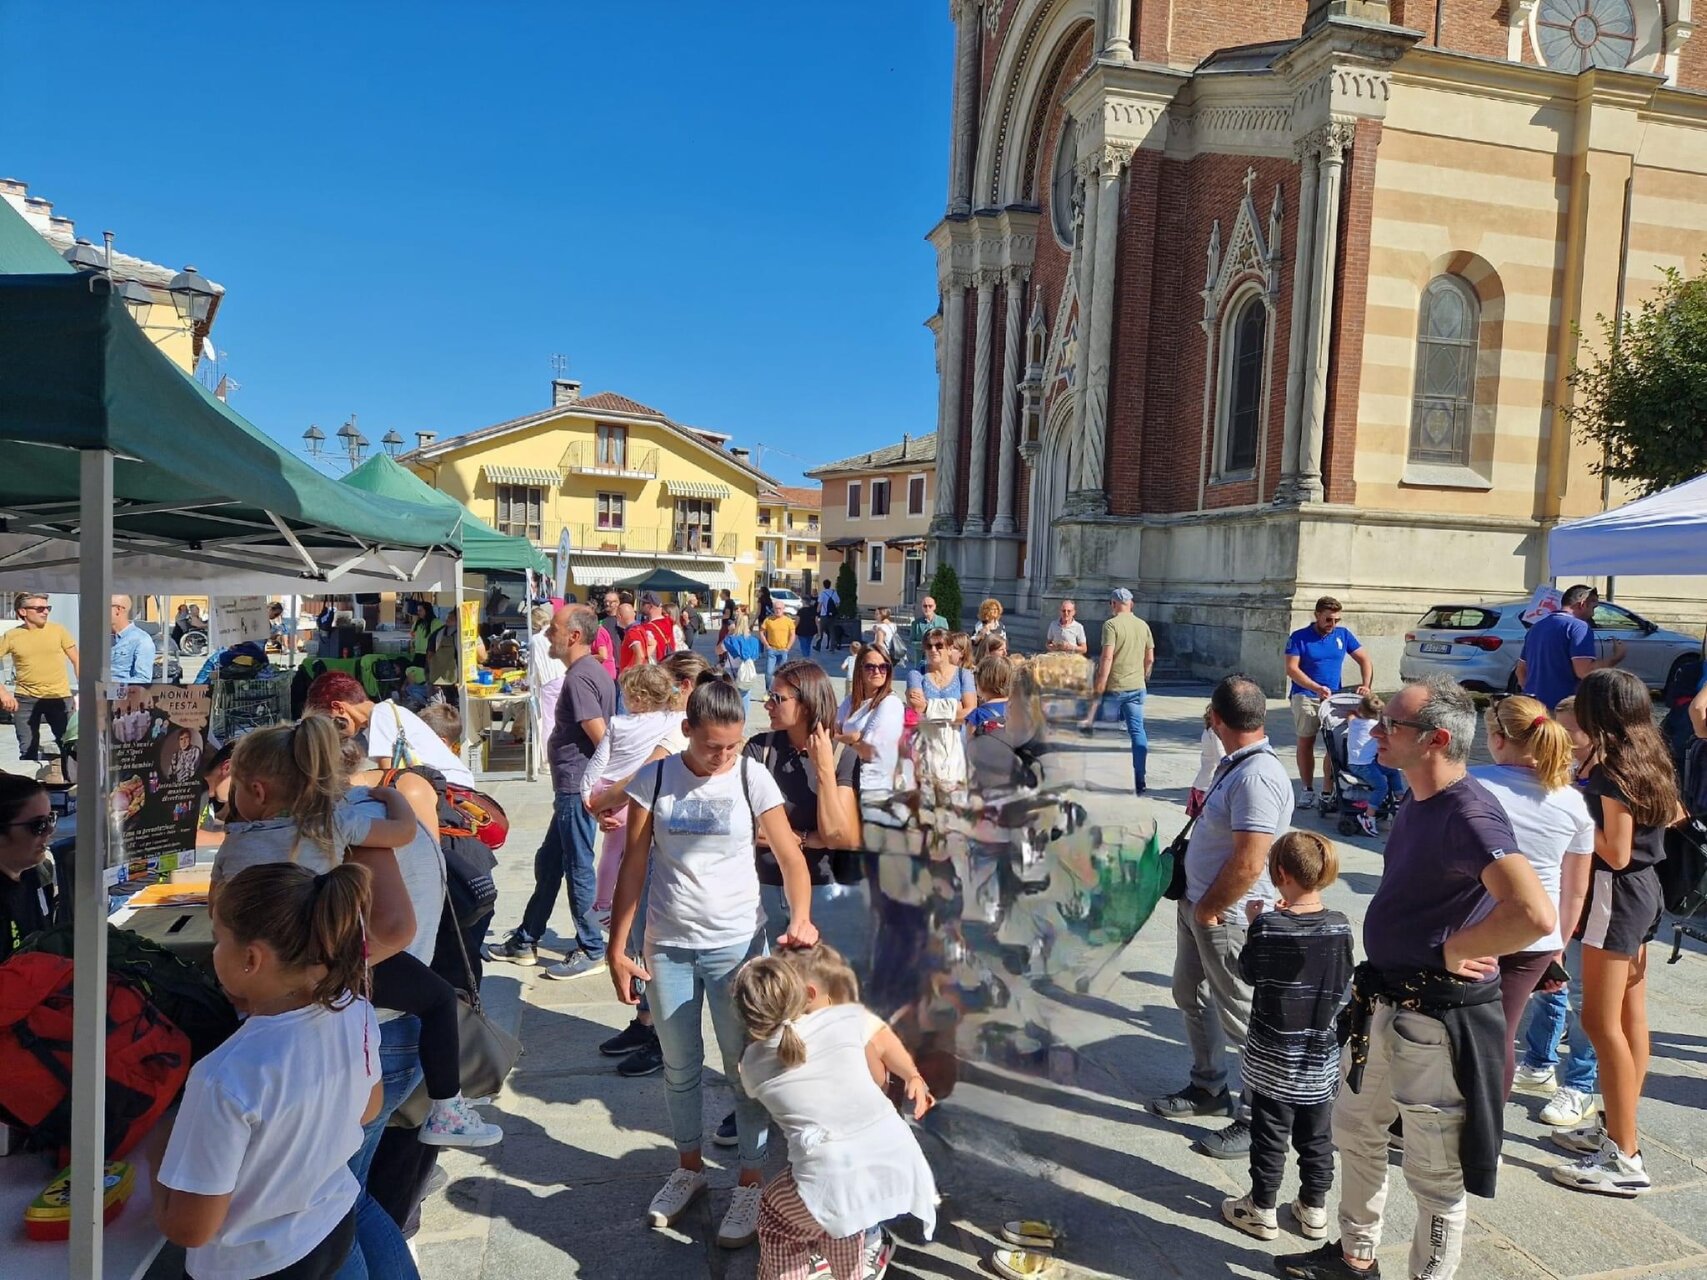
(709, 871)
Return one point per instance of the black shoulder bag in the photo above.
(1176, 880)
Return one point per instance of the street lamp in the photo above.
(313, 439)
(136, 296)
(393, 443)
(193, 295)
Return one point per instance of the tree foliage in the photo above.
(847, 589)
(945, 589)
(1643, 400)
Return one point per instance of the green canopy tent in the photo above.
(114, 455)
(483, 547)
(661, 579)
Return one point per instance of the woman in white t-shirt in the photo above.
(545, 672)
(870, 721)
(341, 696)
(692, 819)
(1531, 778)
(255, 1175)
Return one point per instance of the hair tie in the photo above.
(1538, 721)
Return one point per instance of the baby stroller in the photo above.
(1350, 795)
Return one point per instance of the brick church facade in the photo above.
(1244, 301)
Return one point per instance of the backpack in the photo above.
(185, 993)
(148, 1059)
(468, 859)
(1683, 871)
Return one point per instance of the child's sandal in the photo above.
(1020, 1264)
(1031, 1233)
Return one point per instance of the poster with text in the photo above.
(156, 740)
(470, 639)
(239, 620)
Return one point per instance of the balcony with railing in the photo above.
(658, 540)
(621, 462)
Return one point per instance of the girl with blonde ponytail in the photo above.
(255, 1178)
(1531, 778)
(853, 1162)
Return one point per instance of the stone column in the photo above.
(1088, 494)
(1303, 262)
(965, 14)
(1010, 404)
(978, 472)
(1118, 42)
(946, 518)
(1330, 141)
(1084, 263)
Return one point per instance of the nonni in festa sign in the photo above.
(157, 738)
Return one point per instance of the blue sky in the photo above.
(718, 210)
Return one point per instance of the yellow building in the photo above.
(628, 486)
(789, 535)
(153, 307)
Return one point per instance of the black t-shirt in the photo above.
(806, 625)
(1647, 846)
(798, 782)
(27, 905)
(616, 631)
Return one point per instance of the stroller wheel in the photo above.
(1348, 825)
(1329, 803)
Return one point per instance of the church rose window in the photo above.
(1575, 35)
(1447, 335)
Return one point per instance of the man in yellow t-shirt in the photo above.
(39, 650)
(777, 631)
(1123, 673)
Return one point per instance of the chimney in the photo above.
(906, 445)
(564, 391)
(425, 438)
(12, 187)
(739, 454)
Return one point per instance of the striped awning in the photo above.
(546, 477)
(696, 489)
(589, 569)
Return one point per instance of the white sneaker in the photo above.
(1312, 1222)
(1608, 1171)
(1535, 1080)
(879, 1251)
(453, 1123)
(1584, 1140)
(1568, 1108)
(681, 1189)
(1366, 824)
(740, 1225)
(1307, 800)
(1253, 1221)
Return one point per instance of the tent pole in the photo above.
(462, 675)
(89, 937)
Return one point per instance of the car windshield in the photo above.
(1455, 617)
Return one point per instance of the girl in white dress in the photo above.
(853, 1162)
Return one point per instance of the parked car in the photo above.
(1479, 644)
(791, 601)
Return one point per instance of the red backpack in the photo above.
(148, 1059)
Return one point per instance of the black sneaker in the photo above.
(647, 1060)
(1193, 1100)
(516, 948)
(727, 1135)
(636, 1035)
(1231, 1143)
(1325, 1263)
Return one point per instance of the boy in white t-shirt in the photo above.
(1387, 786)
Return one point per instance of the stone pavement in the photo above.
(564, 1194)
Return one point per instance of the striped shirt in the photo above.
(1299, 968)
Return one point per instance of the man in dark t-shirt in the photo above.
(1453, 898)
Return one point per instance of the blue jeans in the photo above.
(1551, 1015)
(577, 834)
(774, 658)
(1128, 707)
(1382, 781)
(380, 1252)
(684, 980)
(842, 913)
(803, 646)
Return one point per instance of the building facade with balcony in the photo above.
(788, 536)
(631, 488)
(877, 515)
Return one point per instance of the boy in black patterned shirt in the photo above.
(1298, 960)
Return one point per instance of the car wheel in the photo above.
(1676, 672)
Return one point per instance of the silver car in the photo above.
(1478, 645)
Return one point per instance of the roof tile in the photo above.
(912, 450)
(617, 403)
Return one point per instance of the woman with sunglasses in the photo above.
(29, 900)
(941, 677)
(870, 720)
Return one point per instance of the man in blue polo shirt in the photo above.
(1559, 650)
(1315, 663)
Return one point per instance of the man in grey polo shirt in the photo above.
(1249, 803)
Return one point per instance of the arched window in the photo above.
(1446, 373)
(1062, 181)
(1245, 351)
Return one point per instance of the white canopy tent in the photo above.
(1664, 534)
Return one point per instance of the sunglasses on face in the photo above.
(38, 826)
(36, 608)
(778, 699)
(936, 646)
(1387, 724)
(875, 668)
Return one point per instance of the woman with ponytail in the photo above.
(1531, 778)
(255, 1181)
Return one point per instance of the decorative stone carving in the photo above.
(993, 16)
(1249, 251)
(1330, 142)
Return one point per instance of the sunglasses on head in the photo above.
(38, 826)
